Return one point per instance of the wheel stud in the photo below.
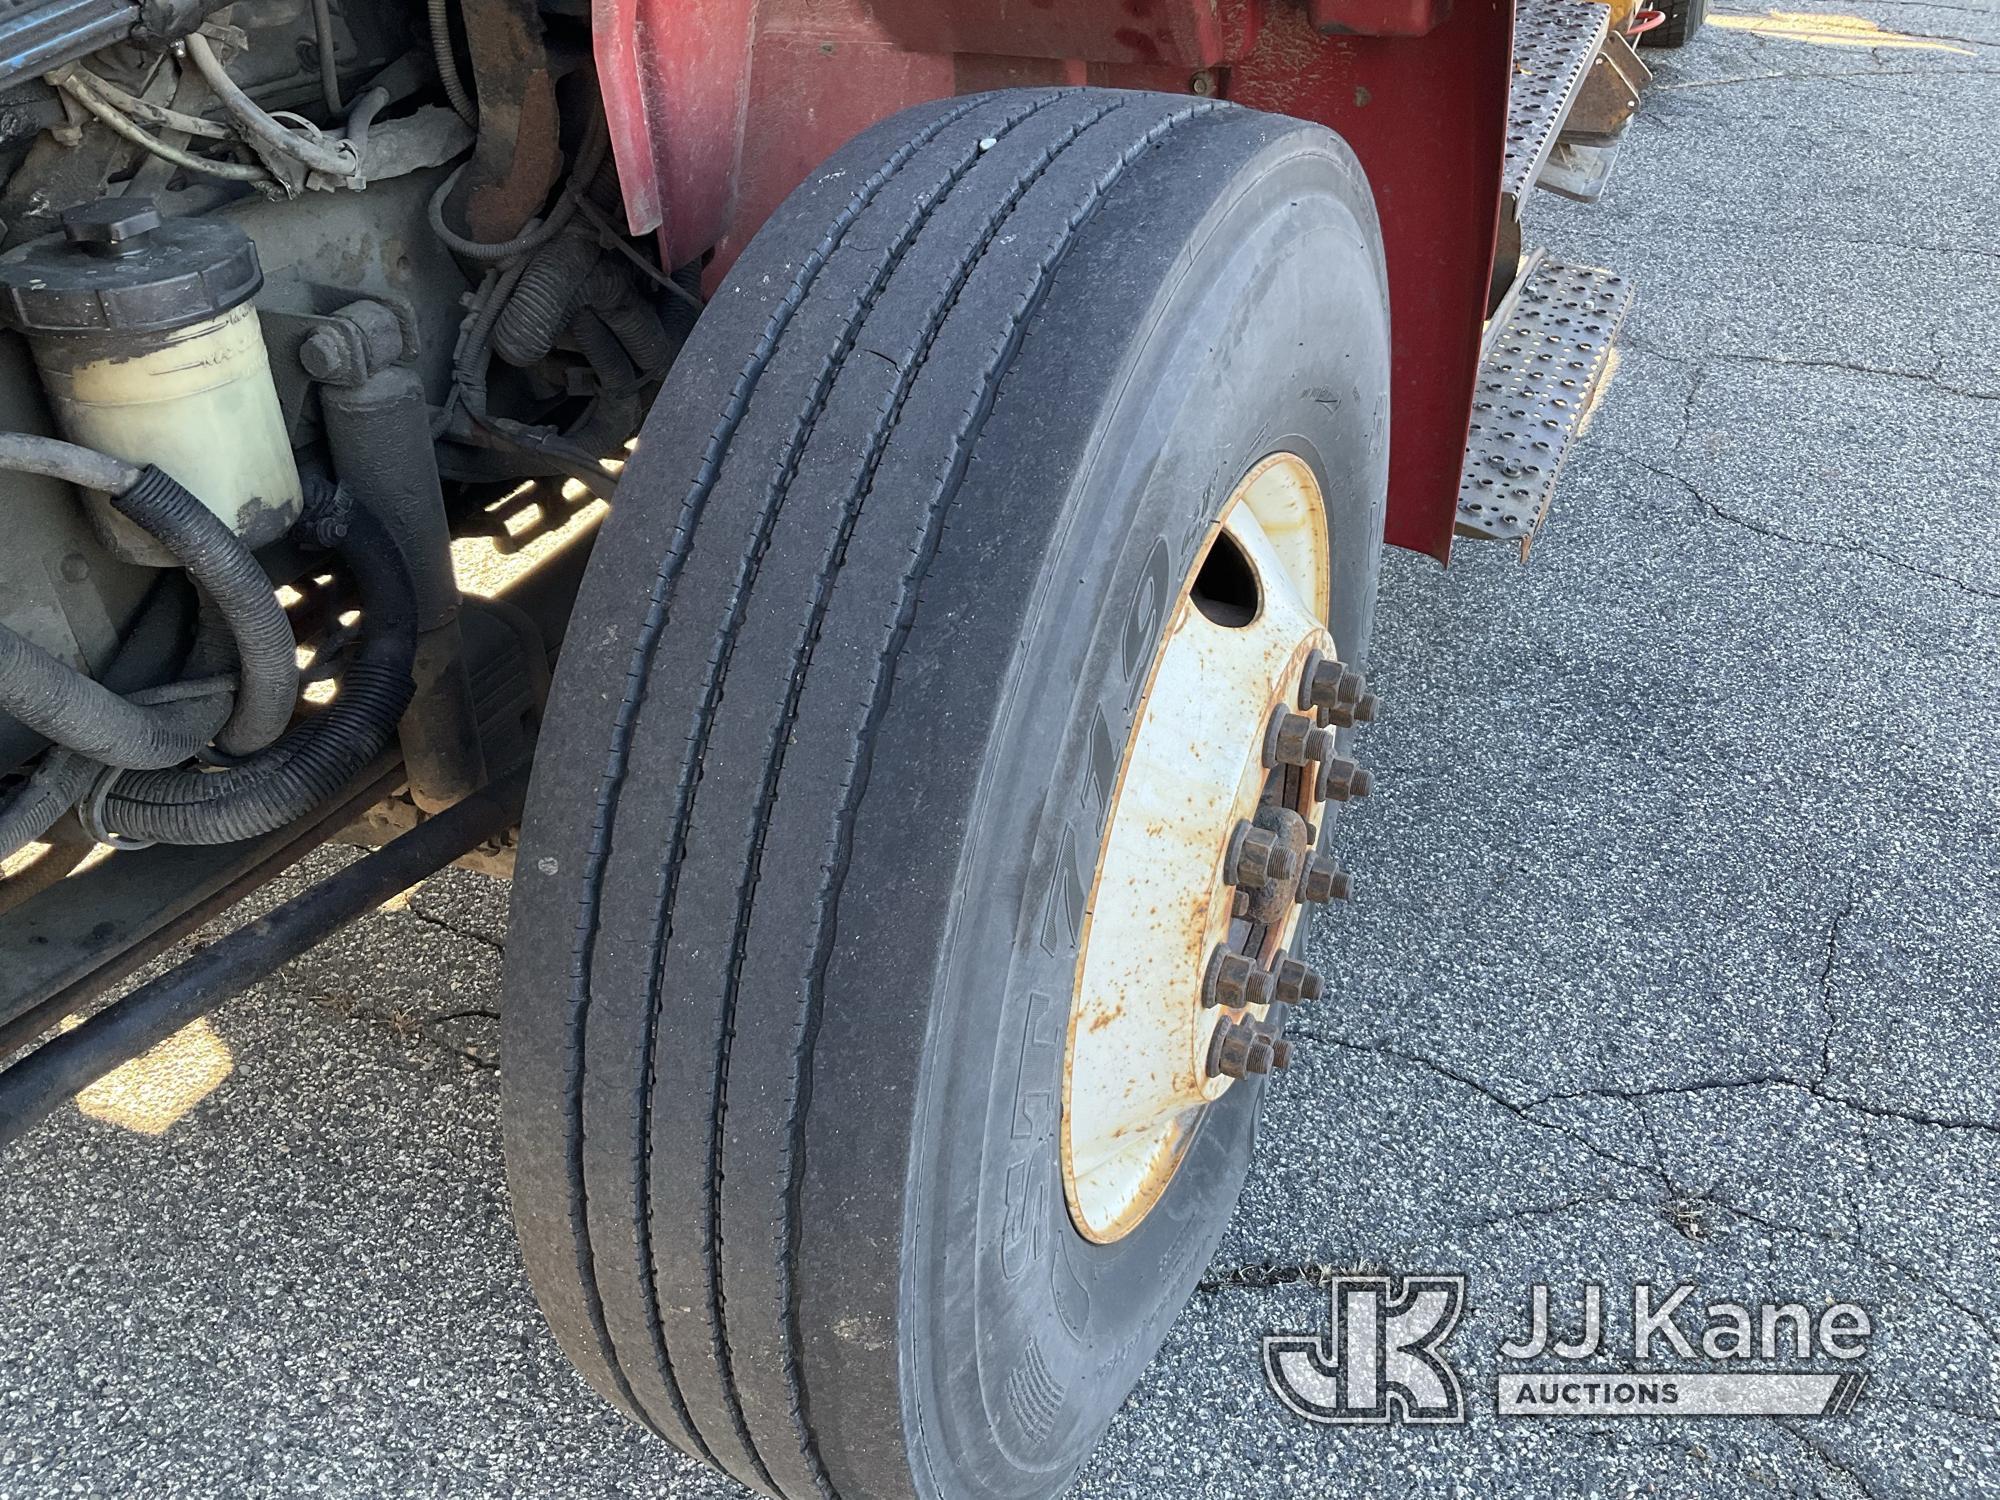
(1324, 881)
(1258, 857)
(1271, 1034)
(1235, 980)
(1294, 740)
(1297, 982)
(1361, 712)
(1341, 780)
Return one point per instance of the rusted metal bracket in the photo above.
(518, 154)
(1580, 164)
(1609, 95)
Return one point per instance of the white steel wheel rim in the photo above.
(1136, 1076)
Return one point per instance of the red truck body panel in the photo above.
(719, 108)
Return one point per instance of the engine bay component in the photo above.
(37, 37)
(150, 351)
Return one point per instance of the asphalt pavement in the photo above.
(1676, 954)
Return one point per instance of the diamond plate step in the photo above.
(1541, 371)
(1555, 42)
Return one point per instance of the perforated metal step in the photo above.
(1555, 42)
(1541, 371)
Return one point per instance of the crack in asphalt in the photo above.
(1826, 985)
(1931, 377)
(413, 910)
(1818, 544)
(1991, 1417)
(1923, 1280)
(1709, 1195)
(1610, 215)
(1835, 1465)
(1700, 363)
(1552, 1210)
(408, 1028)
(1519, 1111)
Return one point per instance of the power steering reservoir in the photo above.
(149, 349)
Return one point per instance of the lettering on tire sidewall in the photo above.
(1032, 1244)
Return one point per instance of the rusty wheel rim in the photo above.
(1139, 1067)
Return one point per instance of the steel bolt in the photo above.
(1257, 857)
(325, 356)
(1324, 881)
(1294, 740)
(1362, 711)
(1235, 980)
(1296, 981)
(1341, 780)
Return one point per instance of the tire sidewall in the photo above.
(1262, 328)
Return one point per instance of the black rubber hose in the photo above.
(150, 652)
(315, 759)
(611, 295)
(72, 711)
(86, 468)
(546, 299)
(614, 415)
(61, 778)
(64, 706)
(229, 573)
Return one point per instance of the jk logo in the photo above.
(1379, 1362)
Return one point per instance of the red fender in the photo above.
(719, 108)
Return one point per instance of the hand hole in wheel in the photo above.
(1225, 588)
(1137, 1070)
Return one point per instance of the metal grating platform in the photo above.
(1535, 385)
(1554, 44)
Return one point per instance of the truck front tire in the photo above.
(821, 793)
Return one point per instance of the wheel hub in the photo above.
(1209, 850)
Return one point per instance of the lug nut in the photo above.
(1235, 980)
(1324, 881)
(1258, 857)
(1330, 684)
(1239, 1050)
(1242, 1049)
(1229, 1050)
(1294, 740)
(1341, 780)
(1295, 981)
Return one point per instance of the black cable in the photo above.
(316, 758)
